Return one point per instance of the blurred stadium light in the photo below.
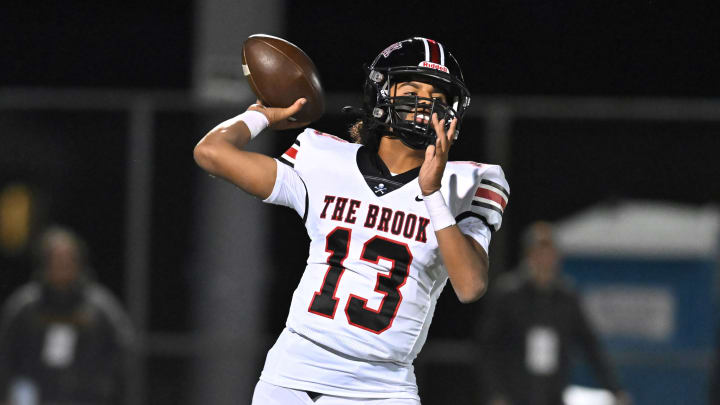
(16, 206)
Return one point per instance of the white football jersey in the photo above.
(363, 307)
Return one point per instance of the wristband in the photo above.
(255, 121)
(440, 215)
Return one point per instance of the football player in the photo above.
(389, 221)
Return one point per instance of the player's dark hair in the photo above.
(366, 132)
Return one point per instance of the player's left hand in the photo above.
(436, 157)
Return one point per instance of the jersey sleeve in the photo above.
(484, 215)
(290, 189)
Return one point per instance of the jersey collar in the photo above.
(377, 176)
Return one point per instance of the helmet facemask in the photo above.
(409, 118)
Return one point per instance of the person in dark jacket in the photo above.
(63, 337)
(534, 322)
(714, 381)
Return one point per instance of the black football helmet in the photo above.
(414, 59)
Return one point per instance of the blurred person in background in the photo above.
(534, 320)
(63, 337)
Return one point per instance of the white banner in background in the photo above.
(632, 311)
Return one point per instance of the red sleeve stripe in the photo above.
(292, 152)
(289, 156)
(491, 195)
(499, 188)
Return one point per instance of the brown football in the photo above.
(280, 73)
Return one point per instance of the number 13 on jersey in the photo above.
(324, 302)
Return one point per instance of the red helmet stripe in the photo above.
(434, 51)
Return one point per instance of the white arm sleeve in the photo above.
(289, 190)
(477, 230)
(486, 209)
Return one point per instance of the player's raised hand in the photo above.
(281, 118)
(436, 157)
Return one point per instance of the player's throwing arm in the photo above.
(290, 95)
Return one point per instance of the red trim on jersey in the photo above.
(491, 195)
(467, 162)
(377, 284)
(409, 231)
(292, 152)
(354, 205)
(329, 136)
(330, 266)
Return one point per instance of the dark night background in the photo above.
(506, 48)
(631, 48)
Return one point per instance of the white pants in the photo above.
(269, 394)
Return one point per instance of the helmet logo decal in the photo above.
(435, 66)
(376, 76)
(389, 49)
